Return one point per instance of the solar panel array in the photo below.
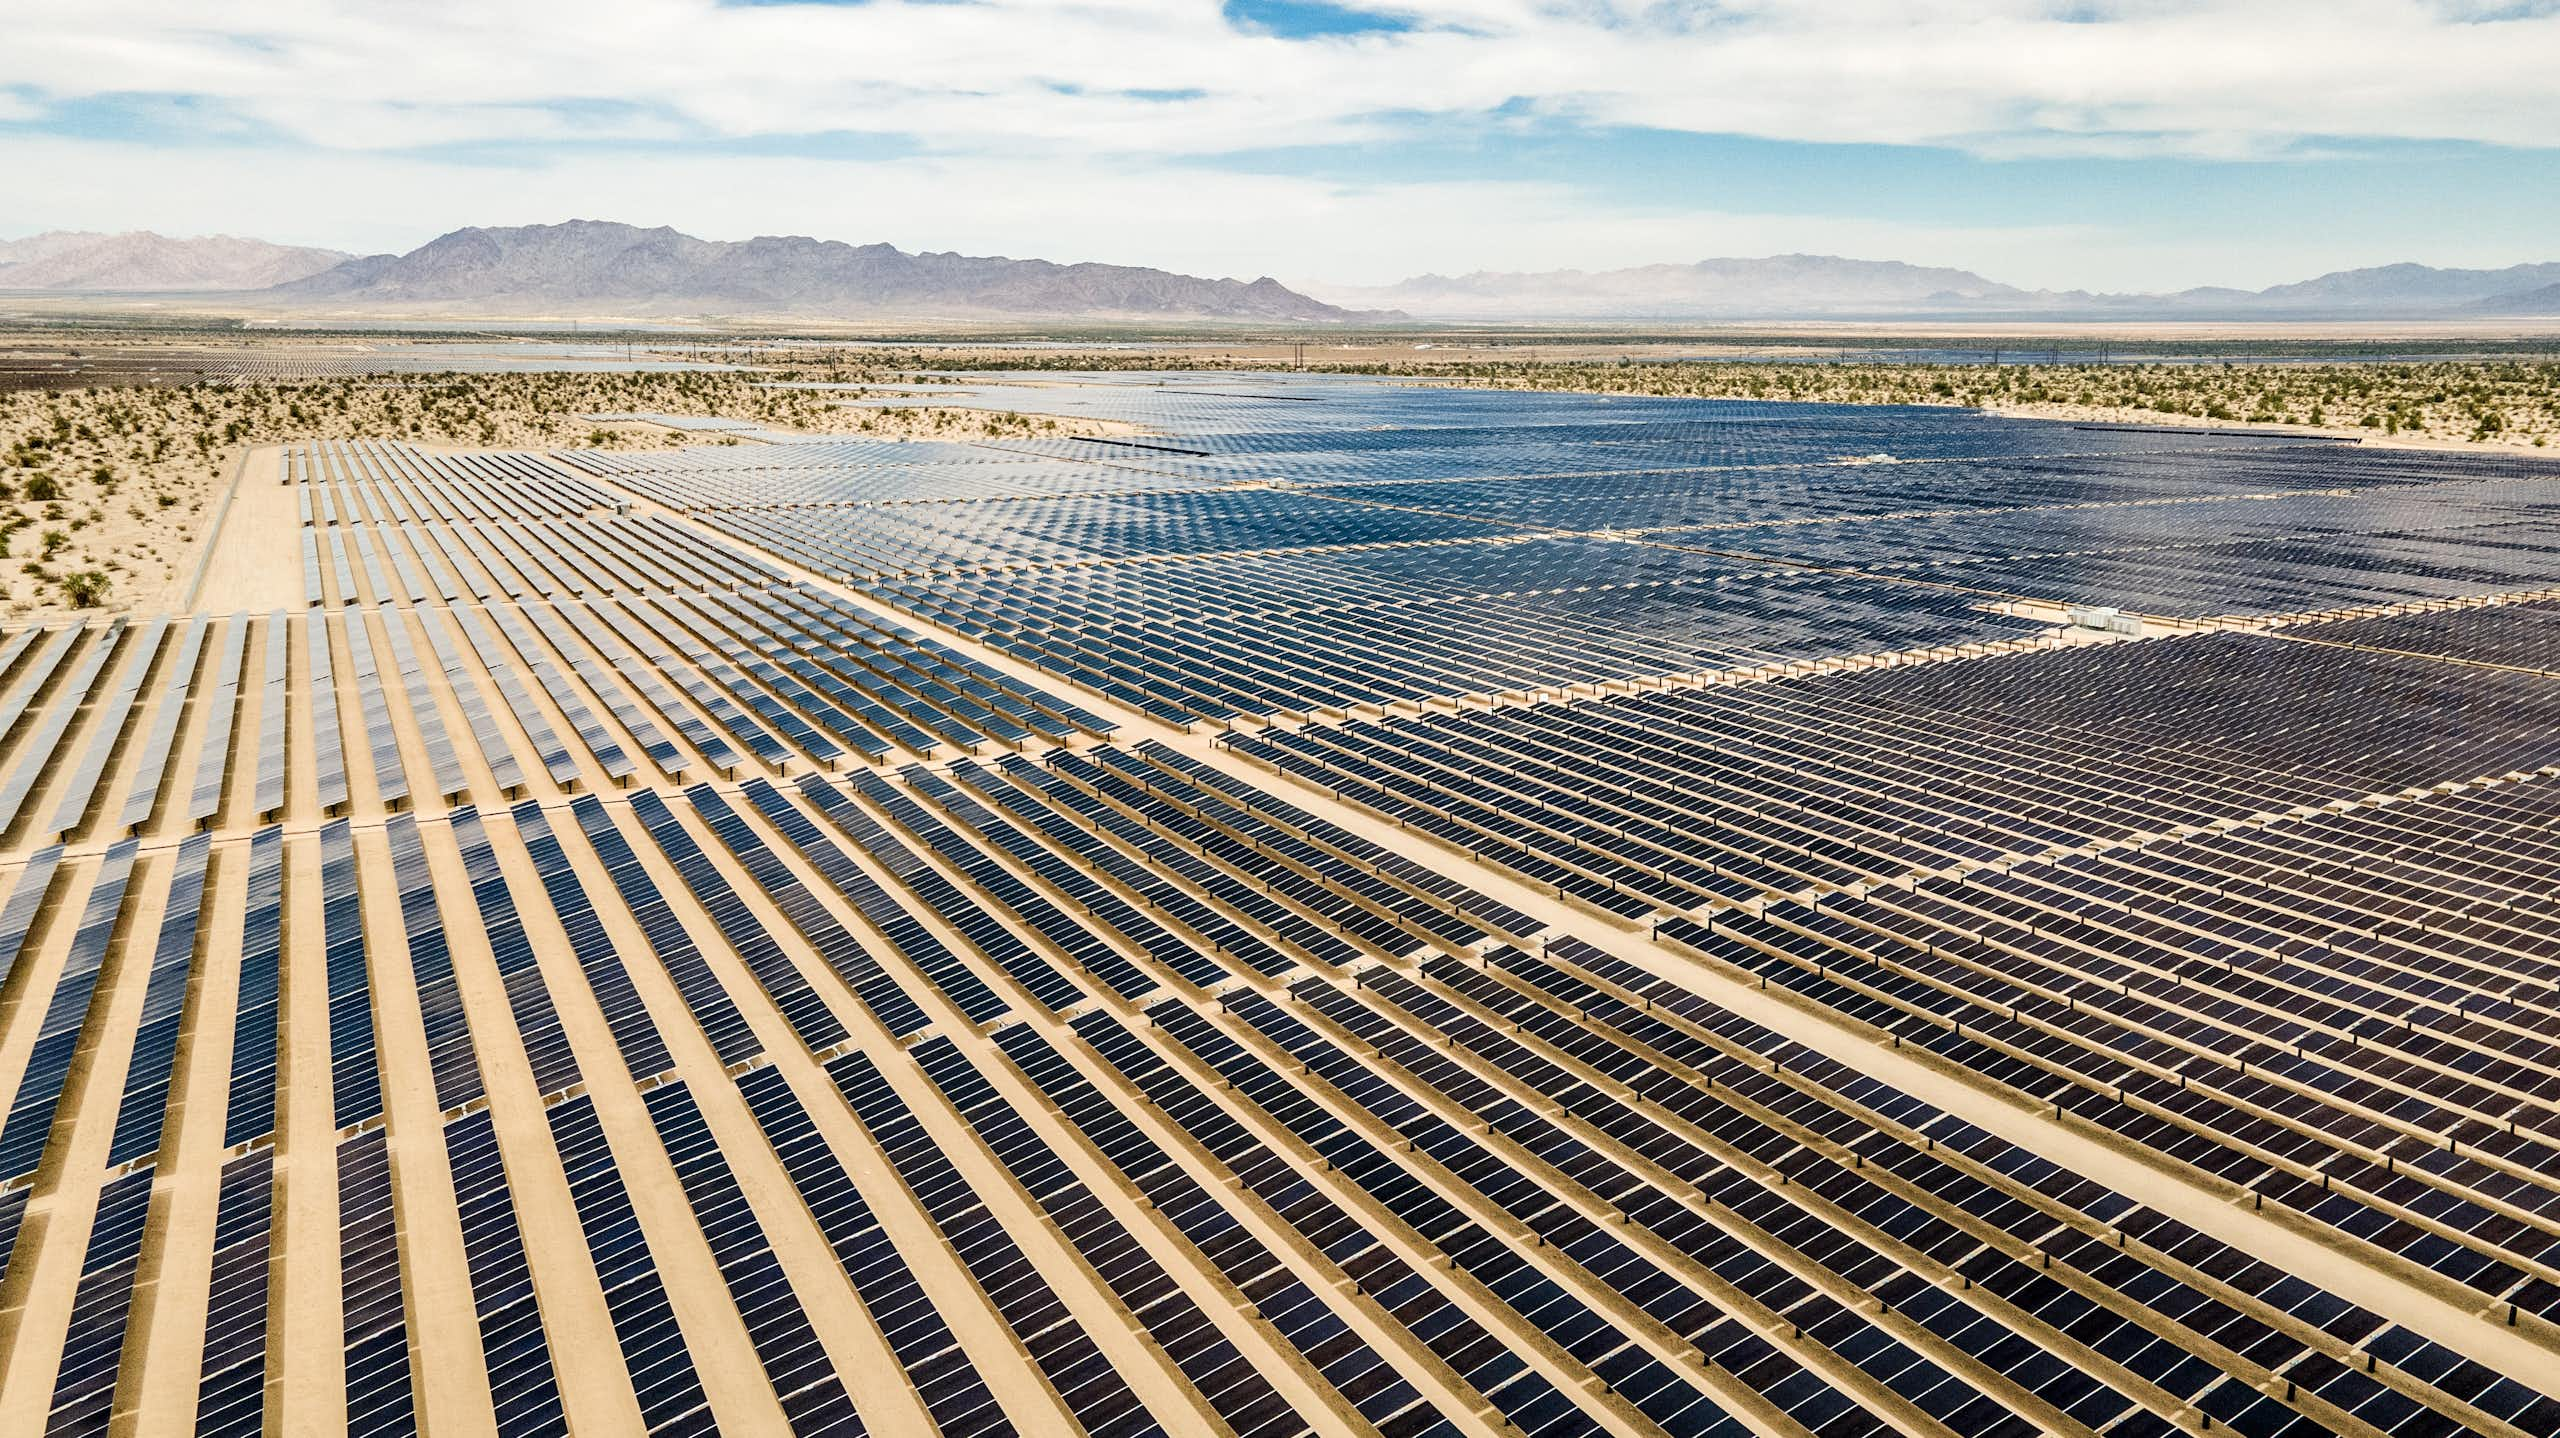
(1551, 914)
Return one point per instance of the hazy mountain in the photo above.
(2542, 301)
(1777, 285)
(141, 260)
(1820, 286)
(599, 266)
(2414, 286)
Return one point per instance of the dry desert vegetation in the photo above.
(105, 491)
(2503, 403)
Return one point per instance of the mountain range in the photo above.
(141, 260)
(600, 267)
(595, 265)
(1827, 286)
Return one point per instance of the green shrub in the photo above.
(86, 589)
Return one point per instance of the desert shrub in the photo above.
(85, 589)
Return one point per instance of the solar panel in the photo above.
(79, 791)
(538, 1027)
(784, 985)
(945, 1379)
(421, 703)
(1244, 1401)
(875, 986)
(35, 754)
(381, 741)
(731, 1037)
(379, 1385)
(231, 1388)
(27, 908)
(25, 1134)
(84, 1385)
(355, 1085)
(644, 1053)
(450, 1054)
(151, 1069)
(513, 1340)
(218, 716)
(917, 945)
(797, 1370)
(152, 776)
(37, 674)
(250, 1109)
(1098, 1397)
(644, 1322)
(503, 768)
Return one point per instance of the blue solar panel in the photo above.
(1084, 1379)
(84, 1385)
(546, 1043)
(789, 991)
(644, 1322)
(796, 1366)
(355, 1086)
(448, 1027)
(710, 1004)
(231, 1389)
(250, 1110)
(643, 1052)
(380, 1400)
(876, 986)
(954, 1395)
(513, 1343)
(152, 1067)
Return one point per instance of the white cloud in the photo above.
(2212, 77)
(1094, 128)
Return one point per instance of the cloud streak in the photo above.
(1179, 77)
(1141, 131)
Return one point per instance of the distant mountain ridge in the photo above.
(2542, 301)
(2408, 283)
(1774, 285)
(1811, 286)
(142, 260)
(596, 265)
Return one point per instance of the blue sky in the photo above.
(2104, 144)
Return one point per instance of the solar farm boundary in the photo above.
(213, 531)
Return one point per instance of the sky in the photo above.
(2123, 145)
